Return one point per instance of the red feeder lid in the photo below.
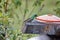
(48, 18)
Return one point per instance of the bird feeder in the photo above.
(45, 24)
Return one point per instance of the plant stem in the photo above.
(26, 6)
(25, 11)
(5, 6)
(5, 10)
(40, 9)
(32, 9)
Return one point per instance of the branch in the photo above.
(40, 9)
(32, 10)
(25, 11)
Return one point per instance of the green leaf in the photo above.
(57, 2)
(0, 6)
(1, 14)
(57, 11)
(26, 10)
(38, 2)
(17, 3)
(0, 1)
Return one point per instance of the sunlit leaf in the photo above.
(1, 14)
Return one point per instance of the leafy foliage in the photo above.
(17, 2)
(38, 2)
(20, 10)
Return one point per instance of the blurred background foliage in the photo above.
(13, 13)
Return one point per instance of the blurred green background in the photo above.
(13, 13)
